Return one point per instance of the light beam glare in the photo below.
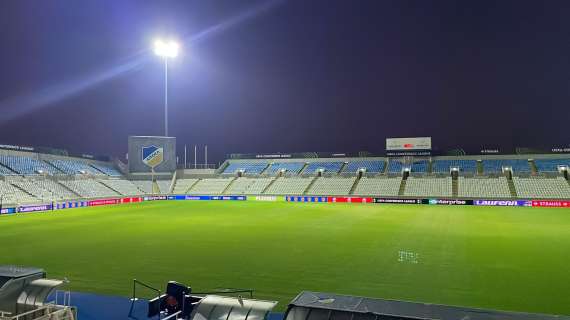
(18, 106)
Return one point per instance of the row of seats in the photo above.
(552, 188)
(444, 166)
(244, 185)
(395, 166)
(124, 187)
(246, 167)
(378, 186)
(27, 166)
(14, 165)
(89, 188)
(551, 165)
(430, 187)
(74, 167)
(183, 185)
(483, 187)
(331, 186)
(210, 186)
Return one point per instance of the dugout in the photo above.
(326, 306)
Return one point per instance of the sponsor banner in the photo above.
(131, 199)
(397, 201)
(350, 199)
(503, 203)
(264, 198)
(154, 198)
(408, 153)
(448, 202)
(34, 208)
(551, 203)
(418, 143)
(306, 199)
(13, 147)
(102, 202)
(71, 204)
(8, 210)
(231, 198)
(186, 197)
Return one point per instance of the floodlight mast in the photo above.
(166, 50)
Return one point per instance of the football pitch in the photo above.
(500, 258)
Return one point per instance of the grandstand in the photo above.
(445, 166)
(27, 165)
(428, 186)
(420, 166)
(210, 186)
(248, 185)
(542, 188)
(385, 187)
(183, 185)
(286, 167)
(483, 187)
(497, 165)
(88, 188)
(370, 166)
(331, 186)
(551, 165)
(292, 186)
(325, 166)
(122, 186)
(395, 166)
(74, 167)
(12, 194)
(245, 167)
(28, 179)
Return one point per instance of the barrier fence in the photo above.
(60, 205)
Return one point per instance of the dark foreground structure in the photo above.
(326, 306)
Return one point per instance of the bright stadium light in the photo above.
(166, 49)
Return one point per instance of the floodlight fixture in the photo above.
(166, 49)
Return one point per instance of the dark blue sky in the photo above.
(286, 75)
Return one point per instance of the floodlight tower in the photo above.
(166, 50)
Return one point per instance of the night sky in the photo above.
(288, 76)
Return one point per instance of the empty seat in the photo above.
(378, 186)
(429, 186)
(542, 188)
(483, 187)
(289, 186)
(372, 166)
(210, 186)
(288, 167)
(331, 186)
(326, 166)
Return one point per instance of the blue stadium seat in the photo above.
(27, 166)
(74, 167)
(107, 169)
(374, 166)
(420, 166)
(443, 166)
(291, 167)
(395, 166)
(247, 167)
(330, 166)
(495, 166)
(550, 165)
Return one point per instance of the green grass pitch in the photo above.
(501, 258)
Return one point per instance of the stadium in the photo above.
(416, 228)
